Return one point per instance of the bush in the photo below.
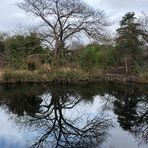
(107, 55)
(98, 55)
(18, 47)
(89, 57)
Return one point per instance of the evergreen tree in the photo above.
(128, 38)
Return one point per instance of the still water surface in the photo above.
(103, 115)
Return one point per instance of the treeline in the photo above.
(129, 50)
(127, 53)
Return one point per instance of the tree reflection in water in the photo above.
(131, 106)
(44, 109)
(54, 128)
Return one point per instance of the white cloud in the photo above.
(11, 15)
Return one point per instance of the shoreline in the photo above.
(91, 79)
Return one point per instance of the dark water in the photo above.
(104, 115)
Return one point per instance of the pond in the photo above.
(102, 115)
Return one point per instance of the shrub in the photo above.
(98, 55)
(89, 57)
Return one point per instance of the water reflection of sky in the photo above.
(10, 143)
(13, 137)
(121, 139)
(10, 137)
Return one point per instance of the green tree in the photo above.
(89, 57)
(128, 38)
(94, 55)
(18, 47)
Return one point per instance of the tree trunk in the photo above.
(59, 51)
(126, 64)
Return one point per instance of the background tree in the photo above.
(63, 20)
(128, 40)
(97, 55)
(18, 47)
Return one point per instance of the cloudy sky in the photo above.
(11, 16)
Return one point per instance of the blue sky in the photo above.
(11, 16)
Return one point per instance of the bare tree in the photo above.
(65, 19)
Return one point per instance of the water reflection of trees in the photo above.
(47, 114)
(50, 121)
(131, 106)
(66, 132)
(21, 99)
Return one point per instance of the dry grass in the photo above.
(64, 75)
(43, 74)
(1, 76)
(144, 75)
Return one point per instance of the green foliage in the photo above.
(2, 43)
(129, 43)
(26, 52)
(89, 57)
(98, 55)
(128, 35)
(24, 45)
(106, 55)
(19, 47)
(2, 47)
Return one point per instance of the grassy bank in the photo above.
(60, 75)
(87, 64)
(68, 76)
